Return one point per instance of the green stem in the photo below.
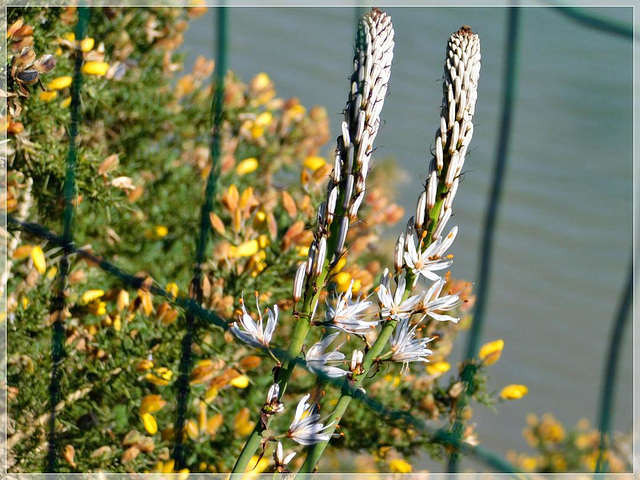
(348, 391)
(300, 331)
(284, 374)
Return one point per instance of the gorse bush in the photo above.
(314, 320)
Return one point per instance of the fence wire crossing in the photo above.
(194, 312)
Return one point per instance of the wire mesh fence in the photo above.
(198, 317)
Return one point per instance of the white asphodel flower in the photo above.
(348, 316)
(306, 428)
(431, 260)
(433, 303)
(254, 333)
(279, 458)
(392, 306)
(319, 362)
(405, 347)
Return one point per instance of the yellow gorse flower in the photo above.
(261, 81)
(91, 295)
(210, 394)
(161, 231)
(48, 96)
(399, 466)
(342, 280)
(256, 131)
(150, 424)
(490, 352)
(97, 307)
(37, 255)
(240, 382)
(513, 392)
(264, 119)
(248, 165)
(60, 83)
(339, 264)
(151, 404)
(260, 466)
(172, 289)
(246, 249)
(314, 162)
(438, 368)
(160, 376)
(95, 68)
(87, 44)
(241, 424)
(191, 428)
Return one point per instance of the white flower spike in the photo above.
(253, 333)
(306, 428)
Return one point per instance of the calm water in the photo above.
(565, 230)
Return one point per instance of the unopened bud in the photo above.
(432, 189)
(421, 209)
(342, 236)
(298, 282)
(322, 254)
(311, 258)
(399, 253)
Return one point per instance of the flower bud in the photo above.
(421, 209)
(298, 282)
(322, 255)
(399, 253)
(432, 189)
(342, 236)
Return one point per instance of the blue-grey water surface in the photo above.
(564, 234)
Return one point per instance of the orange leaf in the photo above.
(289, 204)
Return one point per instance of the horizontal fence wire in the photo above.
(126, 278)
(439, 436)
(598, 22)
(195, 291)
(611, 370)
(58, 301)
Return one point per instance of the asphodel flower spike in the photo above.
(344, 195)
(460, 91)
(369, 83)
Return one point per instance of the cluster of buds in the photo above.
(346, 186)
